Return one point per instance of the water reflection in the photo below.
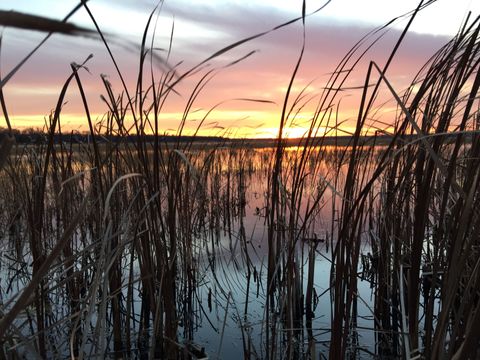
(200, 222)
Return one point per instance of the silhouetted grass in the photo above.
(127, 249)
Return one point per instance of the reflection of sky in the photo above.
(232, 279)
(201, 28)
(230, 264)
(230, 270)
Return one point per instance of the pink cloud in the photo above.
(263, 75)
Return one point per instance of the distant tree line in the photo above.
(32, 135)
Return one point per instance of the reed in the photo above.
(120, 248)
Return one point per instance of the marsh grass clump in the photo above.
(429, 189)
(130, 246)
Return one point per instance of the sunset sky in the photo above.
(203, 27)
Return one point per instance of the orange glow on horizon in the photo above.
(239, 129)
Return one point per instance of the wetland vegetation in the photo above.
(141, 248)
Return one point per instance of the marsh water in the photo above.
(221, 285)
(242, 322)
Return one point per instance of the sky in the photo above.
(242, 100)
